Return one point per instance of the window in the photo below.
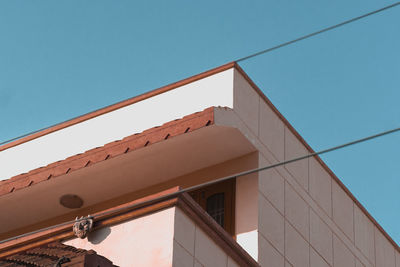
(218, 201)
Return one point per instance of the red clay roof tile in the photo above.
(113, 149)
(48, 255)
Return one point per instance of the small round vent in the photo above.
(71, 201)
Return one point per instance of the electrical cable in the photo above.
(317, 32)
(192, 188)
(244, 58)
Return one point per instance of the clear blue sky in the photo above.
(60, 59)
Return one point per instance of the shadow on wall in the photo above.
(247, 197)
(99, 236)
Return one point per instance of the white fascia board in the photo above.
(215, 90)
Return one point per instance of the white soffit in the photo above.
(215, 90)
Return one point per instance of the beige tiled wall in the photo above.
(384, 251)
(296, 247)
(305, 217)
(321, 237)
(342, 256)
(364, 234)
(320, 186)
(298, 169)
(193, 247)
(271, 131)
(316, 260)
(343, 211)
(271, 224)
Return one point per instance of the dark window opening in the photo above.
(216, 207)
(218, 201)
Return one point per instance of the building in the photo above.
(121, 170)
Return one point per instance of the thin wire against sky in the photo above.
(249, 56)
(317, 32)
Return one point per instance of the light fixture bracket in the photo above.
(83, 226)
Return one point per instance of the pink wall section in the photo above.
(165, 238)
(142, 242)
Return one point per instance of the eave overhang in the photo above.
(102, 175)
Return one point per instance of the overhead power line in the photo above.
(248, 57)
(233, 176)
(318, 32)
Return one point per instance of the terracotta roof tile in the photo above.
(133, 142)
(48, 255)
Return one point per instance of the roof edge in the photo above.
(117, 105)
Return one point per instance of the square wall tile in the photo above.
(342, 256)
(268, 255)
(271, 185)
(320, 186)
(297, 249)
(364, 234)
(359, 264)
(343, 210)
(271, 224)
(384, 251)
(297, 211)
(316, 260)
(184, 230)
(321, 237)
(294, 149)
(207, 252)
(181, 257)
(246, 102)
(271, 132)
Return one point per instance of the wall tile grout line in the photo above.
(333, 250)
(309, 235)
(269, 201)
(179, 244)
(322, 257)
(284, 218)
(331, 215)
(259, 115)
(262, 195)
(266, 239)
(354, 226)
(194, 245)
(375, 244)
